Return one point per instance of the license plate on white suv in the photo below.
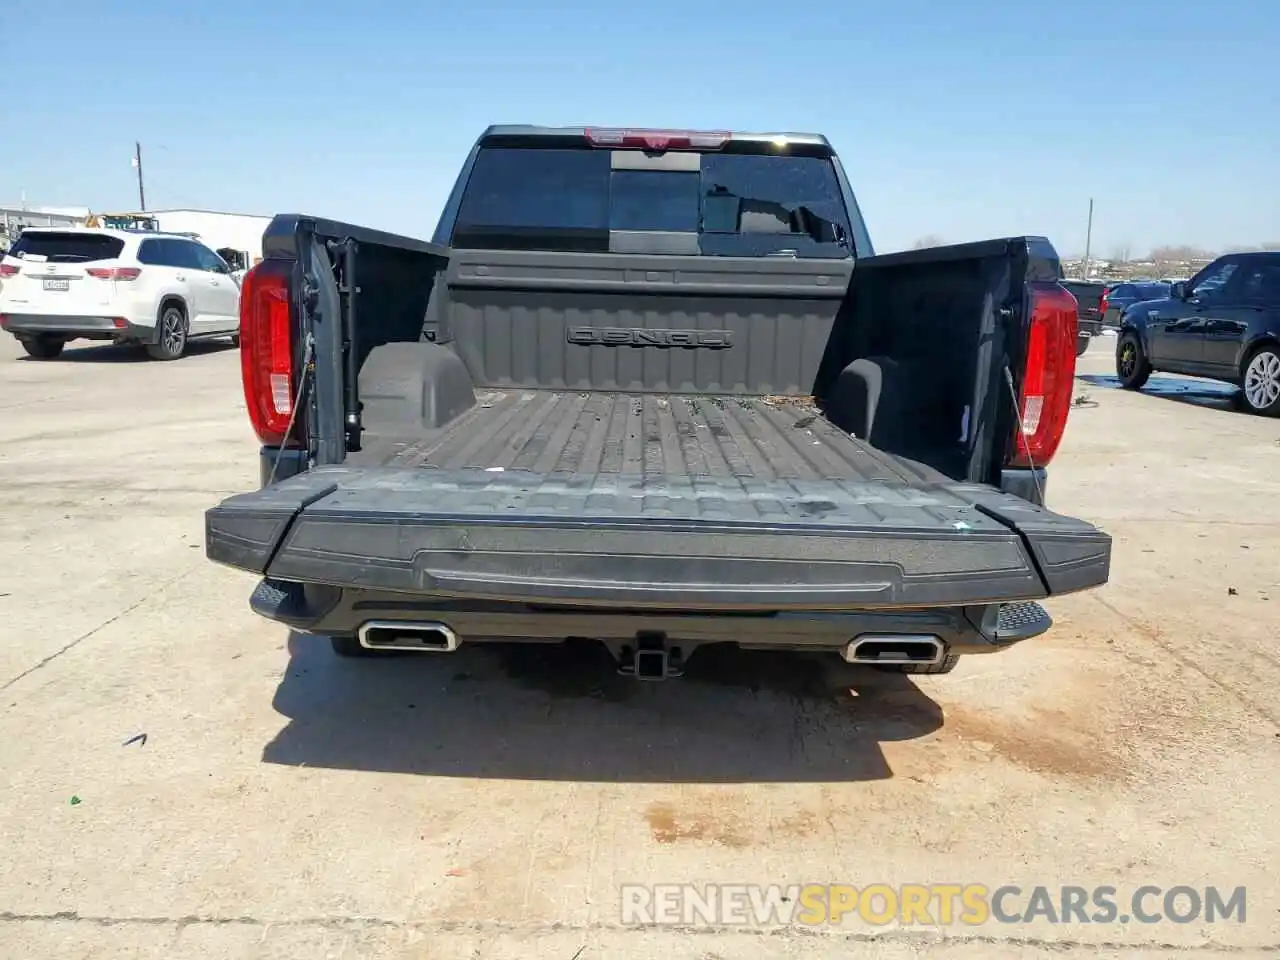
(53, 284)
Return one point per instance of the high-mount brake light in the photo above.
(657, 141)
(266, 349)
(1047, 376)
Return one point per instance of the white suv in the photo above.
(157, 289)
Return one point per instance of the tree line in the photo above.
(1123, 253)
(1164, 259)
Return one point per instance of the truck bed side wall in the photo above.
(395, 288)
(931, 328)
(355, 289)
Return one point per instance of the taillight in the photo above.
(266, 349)
(1047, 376)
(8, 270)
(658, 140)
(113, 273)
(1102, 304)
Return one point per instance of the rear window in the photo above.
(1152, 291)
(1082, 288)
(734, 204)
(66, 247)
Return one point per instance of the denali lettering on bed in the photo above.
(641, 337)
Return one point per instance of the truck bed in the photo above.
(646, 435)
(656, 500)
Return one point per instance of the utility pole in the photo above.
(142, 196)
(1088, 231)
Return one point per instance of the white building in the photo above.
(224, 232)
(237, 236)
(13, 219)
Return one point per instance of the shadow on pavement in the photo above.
(561, 712)
(129, 353)
(1200, 393)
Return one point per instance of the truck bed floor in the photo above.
(557, 433)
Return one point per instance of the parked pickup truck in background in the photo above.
(1091, 297)
(636, 390)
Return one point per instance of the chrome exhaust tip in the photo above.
(423, 637)
(888, 648)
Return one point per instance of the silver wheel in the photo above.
(173, 334)
(1262, 380)
(171, 339)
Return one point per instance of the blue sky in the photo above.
(959, 119)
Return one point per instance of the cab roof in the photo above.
(812, 141)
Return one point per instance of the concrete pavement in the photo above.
(490, 804)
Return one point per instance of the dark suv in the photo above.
(1122, 296)
(1223, 323)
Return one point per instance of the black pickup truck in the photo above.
(1091, 298)
(654, 388)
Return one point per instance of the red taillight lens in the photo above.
(658, 140)
(266, 349)
(113, 273)
(1102, 305)
(8, 270)
(1047, 377)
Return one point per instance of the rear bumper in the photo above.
(1089, 328)
(75, 327)
(312, 608)
(616, 543)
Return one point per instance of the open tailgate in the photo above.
(675, 542)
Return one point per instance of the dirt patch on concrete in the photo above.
(668, 824)
(708, 821)
(1039, 743)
